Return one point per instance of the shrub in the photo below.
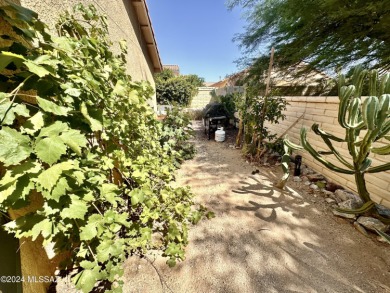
(176, 133)
(78, 133)
(176, 90)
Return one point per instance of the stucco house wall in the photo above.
(123, 24)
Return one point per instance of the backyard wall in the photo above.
(324, 111)
(203, 98)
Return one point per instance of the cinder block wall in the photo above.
(203, 98)
(324, 111)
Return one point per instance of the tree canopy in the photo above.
(326, 33)
(179, 90)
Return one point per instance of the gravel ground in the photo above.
(262, 239)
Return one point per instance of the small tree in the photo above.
(300, 30)
(177, 90)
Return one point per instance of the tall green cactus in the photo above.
(370, 115)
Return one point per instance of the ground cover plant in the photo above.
(78, 136)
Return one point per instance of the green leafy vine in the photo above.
(77, 134)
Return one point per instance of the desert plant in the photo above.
(384, 235)
(366, 122)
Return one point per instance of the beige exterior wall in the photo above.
(122, 24)
(203, 98)
(324, 111)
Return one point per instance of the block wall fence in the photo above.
(203, 97)
(324, 111)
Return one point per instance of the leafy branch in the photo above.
(89, 148)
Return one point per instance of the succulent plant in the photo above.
(366, 121)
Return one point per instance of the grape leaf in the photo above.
(107, 248)
(109, 192)
(50, 149)
(54, 129)
(48, 178)
(76, 210)
(60, 189)
(8, 57)
(137, 196)
(88, 232)
(33, 124)
(73, 92)
(95, 124)
(86, 279)
(74, 139)
(14, 147)
(44, 227)
(51, 107)
(8, 110)
(37, 69)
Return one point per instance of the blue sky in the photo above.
(197, 35)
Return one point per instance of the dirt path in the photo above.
(262, 239)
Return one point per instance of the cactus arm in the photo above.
(385, 81)
(306, 145)
(363, 209)
(369, 112)
(319, 131)
(285, 162)
(385, 150)
(384, 131)
(373, 82)
(383, 235)
(358, 80)
(346, 93)
(376, 112)
(381, 168)
(327, 141)
(383, 115)
(291, 145)
(354, 119)
(384, 107)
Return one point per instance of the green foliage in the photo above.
(176, 90)
(195, 80)
(252, 115)
(231, 102)
(176, 133)
(76, 131)
(367, 125)
(325, 33)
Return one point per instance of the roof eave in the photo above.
(145, 23)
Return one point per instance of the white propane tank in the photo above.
(220, 135)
